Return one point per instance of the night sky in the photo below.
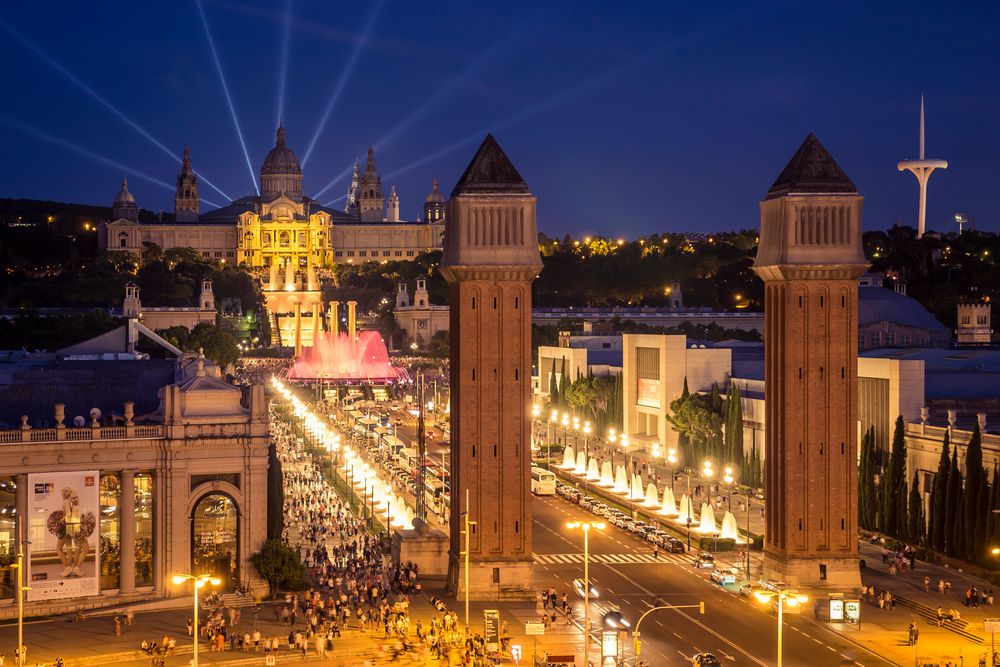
(624, 118)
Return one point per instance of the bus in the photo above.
(543, 482)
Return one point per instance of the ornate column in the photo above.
(126, 514)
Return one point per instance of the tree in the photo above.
(915, 513)
(439, 344)
(563, 383)
(982, 514)
(993, 527)
(866, 482)
(553, 385)
(734, 426)
(902, 516)
(974, 479)
(939, 498)
(279, 565)
(953, 508)
(895, 478)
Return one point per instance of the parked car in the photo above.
(704, 560)
(639, 527)
(620, 520)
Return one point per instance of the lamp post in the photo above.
(199, 580)
(565, 426)
(586, 526)
(707, 472)
(612, 439)
(728, 478)
(672, 459)
(21, 588)
(553, 418)
(792, 598)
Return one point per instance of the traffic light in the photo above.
(637, 642)
(701, 608)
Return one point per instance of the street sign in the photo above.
(491, 626)
(991, 625)
(534, 628)
(609, 644)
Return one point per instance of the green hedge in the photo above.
(715, 544)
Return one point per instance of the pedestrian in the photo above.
(927, 584)
(656, 552)
(118, 626)
(190, 626)
(129, 616)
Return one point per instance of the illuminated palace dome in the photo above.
(281, 173)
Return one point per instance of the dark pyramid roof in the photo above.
(490, 172)
(811, 169)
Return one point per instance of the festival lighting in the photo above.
(100, 99)
(345, 74)
(225, 90)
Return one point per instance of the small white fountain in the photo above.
(652, 497)
(669, 507)
(636, 492)
(607, 475)
(687, 511)
(621, 481)
(729, 529)
(593, 473)
(707, 525)
(581, 464)
(569, 459)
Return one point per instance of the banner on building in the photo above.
(648, 393)
(64, 534)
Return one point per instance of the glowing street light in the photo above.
(586, 526)
(791, 598)
(199, 581)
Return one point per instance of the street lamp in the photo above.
(586, 526)
(199, 581)
(612, 439)
(791, 598)
(672, 459)
(707, 472)
(728, 478)
(21, 588)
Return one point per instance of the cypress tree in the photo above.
(563, 383)
(939, 496)
(895, 478)
(902, 516)
(973, 482)
(982, 514)
(685, 394)
(992, 525)
(915, 512)
(553, 385)
(929, 522)
(864, 475)
(953, 508)
(734, 431)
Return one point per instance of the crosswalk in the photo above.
(612, 559)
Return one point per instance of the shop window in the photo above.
(110, 494)
(144, 529)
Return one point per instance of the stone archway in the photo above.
(215, 537)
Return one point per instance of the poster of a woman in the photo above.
(62, 526)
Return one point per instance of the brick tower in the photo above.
(810, 258)
(490, 259)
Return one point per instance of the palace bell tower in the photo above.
(490, 260)
(810, 258)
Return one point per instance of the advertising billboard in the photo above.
(63, 529)
(648, 393)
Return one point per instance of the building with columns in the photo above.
(810, 258)
(281, 226)
(418, 317)
(169, 464)
(490, 260)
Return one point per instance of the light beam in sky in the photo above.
(100, 99)
(225, 89)
(283, 66)
(89, 154)
(345, 75)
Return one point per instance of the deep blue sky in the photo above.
(624, 118)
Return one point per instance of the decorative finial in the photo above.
(281, 135)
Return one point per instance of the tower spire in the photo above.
(921, 126)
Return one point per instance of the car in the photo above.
(578, 587)
(704, 560)
(586, 502)
(640, 528)
(705, 660)
(725, 576)
(645, 530)
(620, 521)
(614, 619)
(673, 545)
(655, 536)
(747, 590)
(629, 524)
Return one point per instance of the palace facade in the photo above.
(281, 226)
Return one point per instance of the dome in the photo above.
(124, 197)
(281, 159)
(435, 196)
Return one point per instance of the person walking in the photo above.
(129, 617)
(118, 626)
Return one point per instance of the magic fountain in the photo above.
(337, 358)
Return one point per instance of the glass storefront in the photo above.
(143, 529)
(110, 495)
(215, 535)
(8, 536)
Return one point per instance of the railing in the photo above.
(78, 434)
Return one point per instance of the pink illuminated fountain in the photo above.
(334, 357)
